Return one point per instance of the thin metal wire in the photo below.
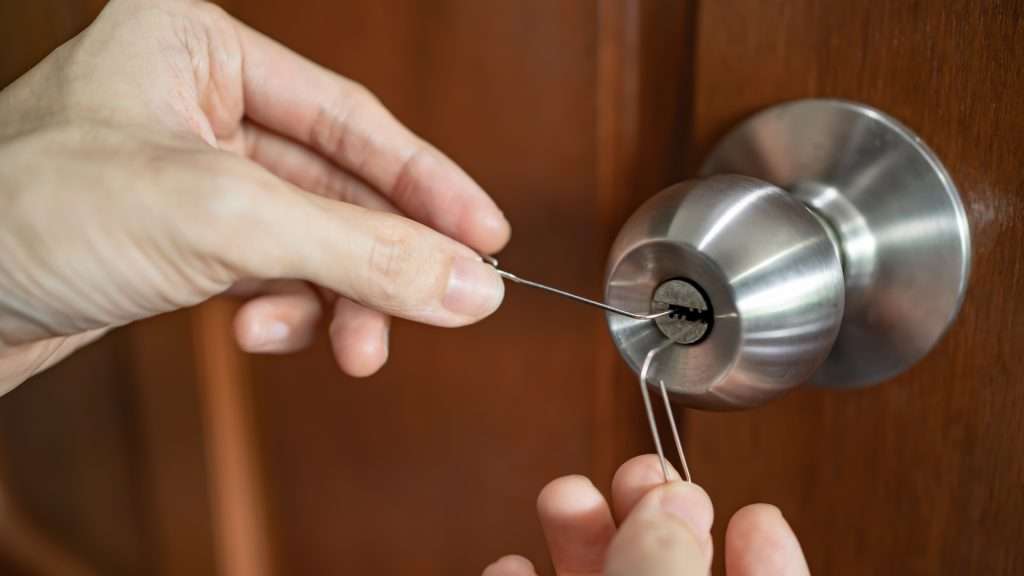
(513, 278)
(675, 431)
(647, 405)
(643, 371)
(668, 412)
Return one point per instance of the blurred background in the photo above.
(162, 449)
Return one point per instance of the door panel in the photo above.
(921, 475)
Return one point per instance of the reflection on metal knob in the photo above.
(826, 244)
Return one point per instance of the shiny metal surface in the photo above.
(900, 226)
(769, 270)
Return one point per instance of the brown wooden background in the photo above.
(163, 450)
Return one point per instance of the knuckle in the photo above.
(210, 12)
(394, 268)
(221, 195)
(659, 537)
(359, 93)
(231, 191)
(325, 181)
(331, 130)
(225, 201)
(195, 13)
(408, 184)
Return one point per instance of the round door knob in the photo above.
(826, 243)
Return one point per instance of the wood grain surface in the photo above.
(922, 475)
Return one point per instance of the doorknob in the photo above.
(824, 242)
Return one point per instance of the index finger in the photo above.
(344, 122)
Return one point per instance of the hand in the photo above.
(664, 529)
(169, 153)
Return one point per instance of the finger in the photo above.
(309, 170)
(359, 337)
(665, 534)
(634, 479)
(251, 224)
(280, 321)
(577, 525)
(344, 122)
(510, 566)
(759, 541)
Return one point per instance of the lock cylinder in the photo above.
(691, 318)
(755, 281)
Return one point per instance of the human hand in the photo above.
(663, 529)
(169, 153)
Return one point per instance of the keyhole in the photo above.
(692, 317)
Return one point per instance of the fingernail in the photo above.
(474, 288)
(266, 335)
(690, 504)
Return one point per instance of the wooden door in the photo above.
(923, 474)
(162, 449)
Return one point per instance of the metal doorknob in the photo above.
(824, 243)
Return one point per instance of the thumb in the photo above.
(667, 533)
(381, 260)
